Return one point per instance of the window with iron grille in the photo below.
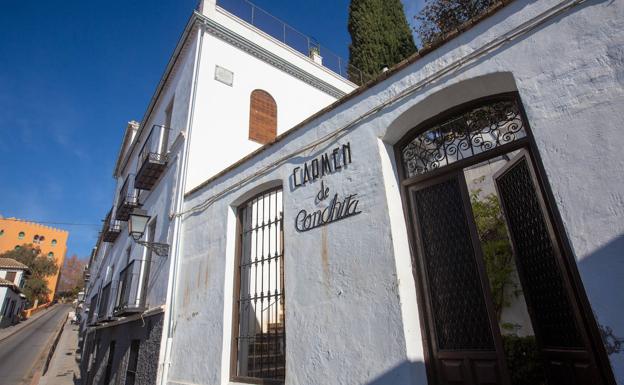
(109, 363)
(133, 360)
(259, 335)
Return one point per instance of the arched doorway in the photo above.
(500, 297)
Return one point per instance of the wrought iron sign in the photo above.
(328, 163)
(338, 207)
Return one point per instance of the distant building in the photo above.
(12, 300)
(14, 233)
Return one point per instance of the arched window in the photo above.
(1, 232)
(262, 117)
(50, 255)
(53, 242)
(21, 235)
(36, 239)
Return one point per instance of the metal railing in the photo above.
(114, 226)
(128, 195)
(296, 40)
(104, 308)
(93, 311)
(130, 288)
(155, 147)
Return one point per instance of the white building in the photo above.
(361, 246)
(12, 277)
(229, 89)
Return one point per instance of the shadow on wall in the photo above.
(602, 273)
(407, 372)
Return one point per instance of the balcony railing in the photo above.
(112, 228)
(131, 293)
(152, 158)
(105, 311)
(296, 40)
(128, 199)
(112, 231)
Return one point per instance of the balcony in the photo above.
(152, 158)
(105, 312)
(131, 293)
(128, 199)
(112, 229)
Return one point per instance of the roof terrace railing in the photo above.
(296, 40)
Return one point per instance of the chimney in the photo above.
(207, 7)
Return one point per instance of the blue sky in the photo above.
(73, 72)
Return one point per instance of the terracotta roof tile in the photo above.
(8, 263)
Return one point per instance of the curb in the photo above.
(37, 370)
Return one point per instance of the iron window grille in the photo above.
(131, 295)
(463, 135)
(133, 360)
(259, 334)
(93, 309)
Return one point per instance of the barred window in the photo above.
(262, 117)
(133, 359)
(259, 337)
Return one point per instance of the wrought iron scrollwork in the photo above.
(470, 133)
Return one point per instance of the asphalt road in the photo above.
(20, 352)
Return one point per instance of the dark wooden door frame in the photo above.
(568, 262)
(480, 267)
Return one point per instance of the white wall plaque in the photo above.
(224, 76)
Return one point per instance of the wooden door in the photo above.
(559, 329)
(465, 342)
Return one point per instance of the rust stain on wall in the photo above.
(325, 257)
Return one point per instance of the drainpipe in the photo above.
(169, 320)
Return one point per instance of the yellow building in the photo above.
(52, 242)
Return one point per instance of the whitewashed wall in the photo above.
(157, 202)
(221, 116)
(351, 312)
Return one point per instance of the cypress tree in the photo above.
(380, 36)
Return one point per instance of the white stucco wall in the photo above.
(221, 116)
(158, 201)
(351, 313)
(13, 317)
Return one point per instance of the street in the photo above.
(20, 352)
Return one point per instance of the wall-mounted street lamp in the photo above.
(137, 224)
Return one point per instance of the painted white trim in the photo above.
(228, 293)
(414, 349)
(164, 360)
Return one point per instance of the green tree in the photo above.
(497, 252)
(439, 17)
(380, 36)
(35, 287)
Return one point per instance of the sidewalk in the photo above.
(63, 368)
(9, 331)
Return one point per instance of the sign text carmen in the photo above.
(326, 164)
